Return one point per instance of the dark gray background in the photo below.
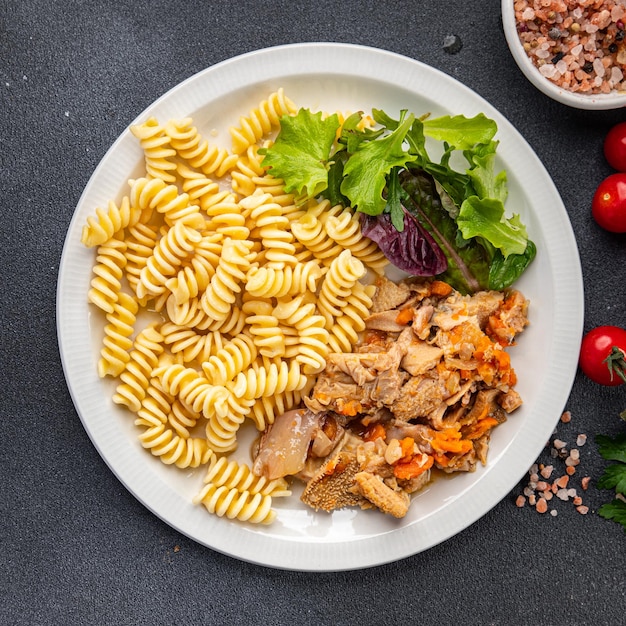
(76, 547)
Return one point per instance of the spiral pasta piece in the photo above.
(233, 357)
(246, 171)
(167, 256)
(227, 219)
(262, 381)
(114, 353)
(311, 233)
(223, 472)
(140, 243)
(312, 348)
(156, 148)
(272, 228)
(261, 121)
(193, 390)
(233, 504)
(107, 223)
(221, 429)
(155, 194)
(172, 449)
(220, 295)
(108, 270)
(267, 282)
(345, 229)
(344, 273)
(190, 145)
(264, 328)
(191, 345)
(136, 376)
(202, 191)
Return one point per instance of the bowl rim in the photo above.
(581, 101)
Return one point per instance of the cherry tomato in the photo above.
(615, 147)
(602, 355)
(608, 205)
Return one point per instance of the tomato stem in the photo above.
(616, 363)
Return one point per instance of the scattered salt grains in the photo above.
(578, 46)
(545, 482)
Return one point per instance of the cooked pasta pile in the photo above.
(253, 290)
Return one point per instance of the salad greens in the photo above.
(428, 217)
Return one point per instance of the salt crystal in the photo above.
(617, 13)
(559, 444)
(581, 440)
(575, 51)
(542, 54)
(547, 471)
(554, 512)
(561, 67)
(562, 494)
(571, 492)
(528, 14)
(591, 28)
(616, 77)
(577, 13)
(574, 453)
(598, 67)
(597, 81)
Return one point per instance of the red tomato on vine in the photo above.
(603, 354)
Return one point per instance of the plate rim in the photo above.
(352, 554)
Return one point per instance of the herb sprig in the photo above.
(614, 476)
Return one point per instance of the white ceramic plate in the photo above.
(335, 77)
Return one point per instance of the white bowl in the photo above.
(613, 100)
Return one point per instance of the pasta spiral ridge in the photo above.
(191, 345)
(105, 224)
(272, 228)
(193, 390)
(156, 194)
(116, 342)
(345, 229)
(108, 270)
(264, 329)
(167, 256)
(172, 449)
(221, 428)
(190, 145)
(234, 262)
(136, 376)
(267, 282)
(201, 190)
(226, 218)
(157, 150)
(140, 244)
(233, 504)
(223, 472)
(310, 232)
(232, 358)
(262, 381)
(261, 121)
(344, 273)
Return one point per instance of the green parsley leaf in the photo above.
(614, 477)
(301, 152)
(615, 511)
(612, 449)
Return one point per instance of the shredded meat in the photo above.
(423, 389)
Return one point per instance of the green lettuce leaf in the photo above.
(485, 218)
(301, 152)
(460, 131)
(365, 173)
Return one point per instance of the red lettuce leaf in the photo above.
(412, 250)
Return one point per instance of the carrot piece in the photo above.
(439, 288)
(375, 431)
(404, 316)
(413, 468)
(406, 445)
